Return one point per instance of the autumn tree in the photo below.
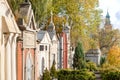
(84, 17)
(79, 57)
(113, 56)
(108, 39)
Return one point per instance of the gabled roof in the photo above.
(43, 37)
(93, 51)
(40, 35)
(51, 34)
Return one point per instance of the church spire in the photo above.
(107, 22)
(67, 17)
(108, 26)
(51, 17)
(51, 26)
(107, 15)
(67, 24)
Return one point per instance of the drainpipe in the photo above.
(22, 56)
(34, 63)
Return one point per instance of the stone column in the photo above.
(23, 62)
(0, 42)
(14, 57)
(2, 59)
(8, 57)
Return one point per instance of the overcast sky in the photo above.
(113, 7)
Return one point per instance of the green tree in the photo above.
(46, 75)
(53, 72)
(79, 57)
(102, 60)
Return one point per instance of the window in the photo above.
(41, 47)
(43, 65)
(46, 48)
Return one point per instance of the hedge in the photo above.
(111, 74)
(75, 75)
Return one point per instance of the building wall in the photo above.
(53, 53)
(19, 61)
(26, 53)
(60, 56)
(65, 52)
(22, 54)
(94, 58)
(43, 58)
(63, 57)
(28, 37)
(8, 34)
(43, 53)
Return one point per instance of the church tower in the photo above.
(107, 26)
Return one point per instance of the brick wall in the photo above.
(19, 61)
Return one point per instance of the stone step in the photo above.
(98, 75)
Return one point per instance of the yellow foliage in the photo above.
(114, 56)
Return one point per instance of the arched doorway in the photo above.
(29, 66)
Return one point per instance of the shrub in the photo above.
(91, 66)
(75, 75)
(111, 74)
(46, 75)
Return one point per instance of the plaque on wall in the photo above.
(29, 39)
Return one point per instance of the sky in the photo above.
(113, 7)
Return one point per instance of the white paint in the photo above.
(14, 74)
(54, 51)
(2, 69)
(7, 43)
(8, 58)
